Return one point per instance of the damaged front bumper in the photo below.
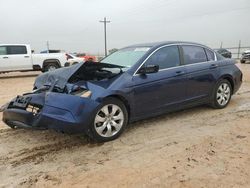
(50, 110)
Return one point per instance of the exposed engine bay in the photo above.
(71, 79)
(95, 71)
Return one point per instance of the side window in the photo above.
(210, 55)
(14, 50)
(3, 50)
(194, 54)
(165, 57)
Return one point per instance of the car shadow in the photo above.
(167, 116)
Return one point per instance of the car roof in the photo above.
(157, 44)
(14, 44)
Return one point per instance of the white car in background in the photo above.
(72, 59)
(19, 57)
(245, 56)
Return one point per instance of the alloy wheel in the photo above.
(223, 94)
(109, 120)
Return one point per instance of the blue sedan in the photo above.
(132, 84)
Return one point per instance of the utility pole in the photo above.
(239, 49)
(105, 34)
(47, 43)
(221, 43)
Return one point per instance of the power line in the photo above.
(105, 34)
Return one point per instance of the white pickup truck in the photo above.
(19, 57)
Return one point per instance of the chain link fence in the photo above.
(236, 51)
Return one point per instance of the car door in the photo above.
(4, 63)
(155, 92)
(18, 57)
(202, 70)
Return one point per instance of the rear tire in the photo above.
(222, 94)
(242, 61)
(109, 120)
(51, 67)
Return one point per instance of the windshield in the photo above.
(126, 57)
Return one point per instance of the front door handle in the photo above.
(5, 57)
(26, 56)
(213, 66)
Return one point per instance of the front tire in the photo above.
(222, 94)
(109, 121)
(242, 61)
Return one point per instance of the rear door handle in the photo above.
(26, 56)
(5, 57)
(213, 66)
(179, 73)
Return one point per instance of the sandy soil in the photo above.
(198, 147)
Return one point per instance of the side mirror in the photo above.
(148, 69)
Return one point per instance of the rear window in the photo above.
(210, 55)
(219, 57)
(221, 51)
(194, 54)
(15, 50)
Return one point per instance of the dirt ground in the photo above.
(198, 147)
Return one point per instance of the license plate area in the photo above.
(21, 102)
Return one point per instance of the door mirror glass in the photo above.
(148, 69)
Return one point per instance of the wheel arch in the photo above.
(47, 61)
(123, 100)
(228, 78)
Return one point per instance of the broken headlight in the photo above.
(80, 91)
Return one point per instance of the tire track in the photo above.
(39, 153)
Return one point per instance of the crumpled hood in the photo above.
(62, 76)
